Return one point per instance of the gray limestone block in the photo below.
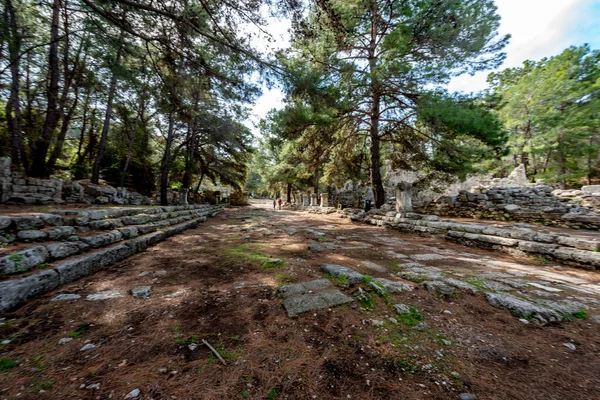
(129, 232)
(503, 241)
(586, 257)
(156, 237)
(73, 270)
(24, 260)
(392, 286)
(108, 256)
(5, 222)
(337, 270)
(32, 236)
(17, 291)
(143, 229)
(27, 223)
(307, 302)
(439, 288)
(136, 219)
(60, 233)
(535, 247)
(522, 308)
(292, 290)
(402, 309)
(103, 239)
(590, 245)
(334, 298)
(65, 249)
(141, 292)
(460, 285)
(138, 244)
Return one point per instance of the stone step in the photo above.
(105, 218)
(15, 292)
(39, 255)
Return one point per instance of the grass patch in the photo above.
(581, 314)
(323, 239)
(7, 363)
(273, 394)
(283, 278)
(338, 280)
(541, 259)
(273, 263)
(80, 330)
(365, 299)
(248, 252)
(410, 319)
(44, 386)
(478, 283)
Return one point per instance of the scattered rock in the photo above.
(315, 247)
(88, 346)
(402, 309)
(522, 308)
(134, 394)
(390, 286)
(141, 292)
(438, 288)
(422, 326)
(93, 386)
(338, 270)
(466, 396)
(105, 295)
(570, 346)
(65, 340)
(66, 296)
(376, 322)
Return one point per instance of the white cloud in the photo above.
(539, 28)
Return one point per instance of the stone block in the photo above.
(24, 260)
(32, 236)
(102, 239)
(590, 189)
(590, 245)
(15, 292)
(65, 249)
(27, 223)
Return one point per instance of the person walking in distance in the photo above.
(279, 201)
(274, 203)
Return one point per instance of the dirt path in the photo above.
(220, 282)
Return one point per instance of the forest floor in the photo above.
(219, 283)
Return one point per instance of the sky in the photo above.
(539, 28)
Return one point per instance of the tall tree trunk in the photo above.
(289, 192)
(316, 181)
(86, 105)
(129, 152)
(166, 161)
(66, 115)
(105, 128)
(189, 156)
(375, 152)
(42, 144)
(14, 116)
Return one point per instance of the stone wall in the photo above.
(534, 204)
(581, 252)
(16, 188)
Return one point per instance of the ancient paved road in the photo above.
(220, 283)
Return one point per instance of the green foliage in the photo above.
(80, 330)
(7, 363)
(411, 319)
(338, 280)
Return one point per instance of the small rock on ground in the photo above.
(88, 346)
(105, 295)
(141, 292)
(66, 296)
(466, 396)
(134, 394)
(402, 309)
(65, 340)
(337, 270)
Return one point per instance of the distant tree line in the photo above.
(551, 111)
